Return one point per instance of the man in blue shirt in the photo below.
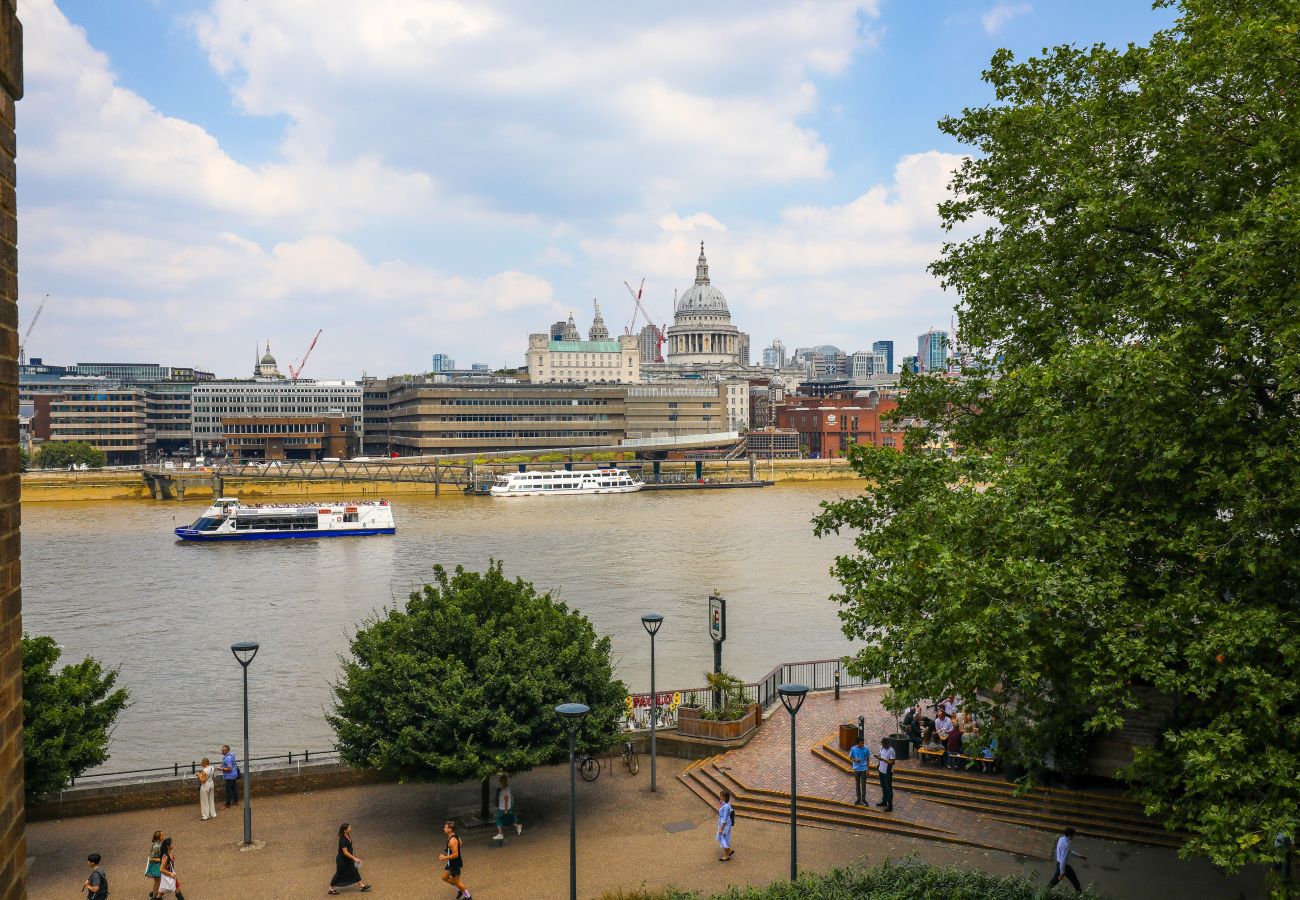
(861, 758)
(230, 772)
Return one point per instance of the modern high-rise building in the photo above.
(886, 347)
(480, 367)
(442, 362)
(648, 340)
(908, 365)
(774, 355)
(865, 364)
(214, 401)
(932, 351)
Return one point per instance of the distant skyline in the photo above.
(420, 177)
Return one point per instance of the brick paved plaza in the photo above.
(623, 842)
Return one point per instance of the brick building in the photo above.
(827, 426)
(13, 847)
(333, 436)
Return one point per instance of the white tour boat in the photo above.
(562, 482)
(229, 520)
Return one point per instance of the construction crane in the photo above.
(22, 347)
(639, 307)
(295, 371)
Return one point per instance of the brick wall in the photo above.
(12, 845)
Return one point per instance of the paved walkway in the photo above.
(623, 841)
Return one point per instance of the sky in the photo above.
(425, 176)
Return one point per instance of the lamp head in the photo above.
(244, 652)
(792, 696)
(652, 621)
(572, 712)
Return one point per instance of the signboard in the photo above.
(717, 618)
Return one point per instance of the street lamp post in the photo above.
(792, 697)
(244, 652)
(572, 713)
(652, 621)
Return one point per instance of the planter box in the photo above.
(689, 724)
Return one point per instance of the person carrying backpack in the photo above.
(96, 886)
(726, 819)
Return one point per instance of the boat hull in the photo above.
(580, 492)
(187, 534)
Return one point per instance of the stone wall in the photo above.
(12, 844)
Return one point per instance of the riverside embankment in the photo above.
(62, 486)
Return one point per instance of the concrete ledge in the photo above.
(94, 800)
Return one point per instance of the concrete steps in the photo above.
(707, 778)
(1092, 813)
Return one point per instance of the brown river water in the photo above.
(109, 580)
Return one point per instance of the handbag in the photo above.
(167, 884)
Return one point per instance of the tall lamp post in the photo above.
(572, 714)
(244, 652)
(792, 697)
(652, 621)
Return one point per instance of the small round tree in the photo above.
(463, 681)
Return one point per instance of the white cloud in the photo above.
(1001, 14)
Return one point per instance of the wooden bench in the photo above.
(983, 764)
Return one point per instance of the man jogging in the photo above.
(1063, 867)
(860, 756)
(452, 859)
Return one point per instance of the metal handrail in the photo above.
(177, 769)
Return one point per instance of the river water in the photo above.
(110, 581)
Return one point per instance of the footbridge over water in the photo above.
(461, 470)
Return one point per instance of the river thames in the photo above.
(109, 580)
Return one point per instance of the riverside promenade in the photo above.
(627, 837)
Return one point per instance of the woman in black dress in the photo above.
(345, 864)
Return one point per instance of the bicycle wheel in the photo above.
(589, 768)
(633, 761)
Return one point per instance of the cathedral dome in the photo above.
(702, 296)
(267, 358)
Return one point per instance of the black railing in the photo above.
(178, 769)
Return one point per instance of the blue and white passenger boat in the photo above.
(229, 520)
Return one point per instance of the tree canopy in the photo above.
(463, 681)
(61, 454)
(1121, 512)
(68, 716)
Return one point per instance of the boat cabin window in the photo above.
(207, 523)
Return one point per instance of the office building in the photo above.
(216, 400)
(887, 348)
(772, 443)
(109, 419)
(774, 355)
(648, 341)
(681, 408)
(828, 426)
(480, 368)
(932, 351)
(910, 364)
(577, 361)
(333, 436)
(442, 363)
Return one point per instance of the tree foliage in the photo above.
(61, 454)
(463, 681)
(1122, 513)
(68, 716)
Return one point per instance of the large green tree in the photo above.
(462, 682)
(61, 454)
(68, 716)
(1123, 515)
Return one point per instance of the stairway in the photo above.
(1092, 813)
(706, 778)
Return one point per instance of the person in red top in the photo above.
(953, 747)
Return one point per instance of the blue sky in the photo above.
(420, 176)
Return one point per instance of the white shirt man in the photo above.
(942, 725)
(1063, 868)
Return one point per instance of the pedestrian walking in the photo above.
(229, 774)
(885, 757)
(506, 810)
(153, 867)
(207, 790)
(96, 886)
(726, 819)
(860, 757)
(453, 860)
(1063, 868)
(170, 883)
(346, 873)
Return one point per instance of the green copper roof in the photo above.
(584, 346)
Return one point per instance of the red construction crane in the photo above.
(639, 307)
(295, 371)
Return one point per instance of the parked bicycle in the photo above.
(588, 766)
(630, 758)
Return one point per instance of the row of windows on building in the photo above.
(513, 401)
(276, 428)
(505, 417)
(521, 433)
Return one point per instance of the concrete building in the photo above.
(772, 443)
(679, 408)
(442, 362)
(886, 347)
(169, 413)
(865, 365)
(702, 332)
(374, 412)
(828, 426)
(932, 351)
(427, 417)
(139, 373)
(333, 436)
(113, 421)
(213, 401)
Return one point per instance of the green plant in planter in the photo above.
(732, 691)
(692, 699)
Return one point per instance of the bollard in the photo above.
(837, 684)
(193, 767)
(176, 769)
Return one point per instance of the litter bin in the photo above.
(848, 736)
(901, 746)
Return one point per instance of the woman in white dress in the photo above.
(207, 803)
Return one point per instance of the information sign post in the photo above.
(718, 632)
